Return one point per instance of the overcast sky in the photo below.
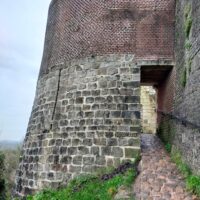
(22, 31)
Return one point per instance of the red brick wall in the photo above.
(166, 94)
(80, 28)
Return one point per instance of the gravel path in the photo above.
(159, 178)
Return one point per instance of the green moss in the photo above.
(166, 133)
(188, 20)
(183, 78)
(188, 25)
(187, 10)
(188, 45)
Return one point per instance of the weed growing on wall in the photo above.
(188, 20)
(188, 45)
(183, 79)
(187, 29)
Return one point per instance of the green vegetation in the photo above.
(88, 187)
(187, 29)
(192, 181)
(177, 159)
(183, 79)
(188, 20)
(166, 132)
(188, 45)
(2, 178)
(8, 164)
(193, 184)
(168, 147)
(188, 26)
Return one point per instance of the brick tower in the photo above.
(86, 113)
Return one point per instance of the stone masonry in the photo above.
(86, 116)
(180, 92)
(187, 101)
(86, 113)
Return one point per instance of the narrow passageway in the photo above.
(159, 178)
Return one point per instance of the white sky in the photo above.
(22, 31)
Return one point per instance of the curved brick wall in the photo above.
(86, 113)
(80, 28)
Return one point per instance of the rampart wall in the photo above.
(86, 113)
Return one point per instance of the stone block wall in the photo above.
(86, 116)
(179, 95)
(187, 98)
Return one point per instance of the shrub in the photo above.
(2, 179)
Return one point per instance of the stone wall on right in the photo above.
(187, 83)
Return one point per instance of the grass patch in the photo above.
(89, 187)
(193, 184)
(192, 181)
(168, 147)
(177, 159)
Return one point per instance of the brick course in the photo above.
(77, 29)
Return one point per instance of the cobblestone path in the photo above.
(159, 178)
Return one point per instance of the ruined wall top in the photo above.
(81, 28)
